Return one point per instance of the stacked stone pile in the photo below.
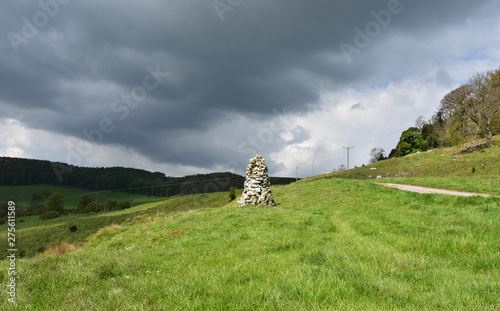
(256, 190)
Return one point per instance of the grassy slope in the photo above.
(21, 195)
(329, 244)
(35, 236)
(438, 168)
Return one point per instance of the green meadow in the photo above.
(329, 244)
(21, 195)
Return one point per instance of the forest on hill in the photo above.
(18, 171)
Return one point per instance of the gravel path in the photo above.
(420, 189)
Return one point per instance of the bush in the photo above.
(49, 215)
(233, 192)
(91, 208)
(111, 205)
(123, 205)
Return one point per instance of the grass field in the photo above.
(35, 236)
(21, 195)
(329, 244)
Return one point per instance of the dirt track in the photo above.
(420, 189)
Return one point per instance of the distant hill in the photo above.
(18, 171)
(21, 172)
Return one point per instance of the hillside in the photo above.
(329, 244)
(37, 236)
(448, 168)
(17, 172)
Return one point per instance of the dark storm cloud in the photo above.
(264, 56)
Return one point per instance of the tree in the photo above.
(377, 154)
(483, 104)
(469, 110)
(92, 207)
(452, 101)
(35, 201)
(84, 200)
(411, 141)
(494, 98)
(494, 84)
(494, 87)
(430, 133)
(36, 197)
(55, 202)
(420, 123)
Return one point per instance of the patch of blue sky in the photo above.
(382, 85)
(372, 85)
(477, 54)
(355, 87)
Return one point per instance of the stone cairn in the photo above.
(256, 190)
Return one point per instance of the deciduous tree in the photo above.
(84, 200)
(411, 141)
(377, 154)
(55, 202)
(482, 104)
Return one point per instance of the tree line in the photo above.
(470, 111)
(18, 171)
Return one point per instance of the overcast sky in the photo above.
(185, 87)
